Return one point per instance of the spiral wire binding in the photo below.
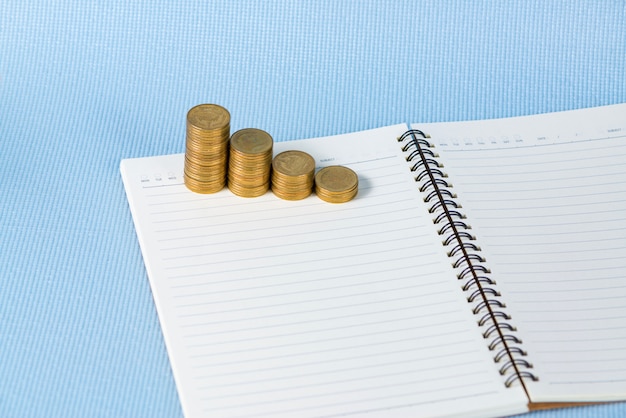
(467, 261)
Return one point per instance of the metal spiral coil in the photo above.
(466, 259)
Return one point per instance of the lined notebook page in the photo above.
(546, 197)
(281, 308)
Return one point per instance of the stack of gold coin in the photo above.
(206, 151)
(293, 175)
(336, 184)
(250, 162)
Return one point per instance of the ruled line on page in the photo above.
(409, 343)
(355, 365)
(259, 209)
(384, 302)
(409, 351)
(321, 321)
(360, 407)
(375, 269)
(216, 356)
(537, 187)
(327, 311)
(214, 292)
(277, 263)
(408, 403)
(294, 271)
(379, 376)
(451, 365)
(458, 367)
(271, 305)
(515, 199)
(374, 215)
(412, 339)
(308, 292)
(269, 247)
(514, 216)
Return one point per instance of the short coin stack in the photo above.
(206, 152)
(293, 175)
(336, 184)
(250, 162)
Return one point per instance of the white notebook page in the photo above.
(546, 197)
(306, 308)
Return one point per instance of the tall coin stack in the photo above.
(293, 175)
(206, 151)
(250, 162)
(336, 184)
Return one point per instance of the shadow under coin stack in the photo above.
(250, 162)
(336, 184)
(206, 151)
(293, 175)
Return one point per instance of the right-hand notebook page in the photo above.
(546, 198)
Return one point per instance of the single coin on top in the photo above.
(208, 117)
(251, 141)
(293, 163)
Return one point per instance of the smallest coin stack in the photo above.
(250, 162)
(206, 151)
(293, 173)
(336, 184)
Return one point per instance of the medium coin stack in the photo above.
(336, 184)
(250, 162)
(293, 175)
(206, 151)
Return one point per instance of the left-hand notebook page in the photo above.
(305, 308)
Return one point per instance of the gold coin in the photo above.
(293, 163)
(336, 184)
(336, 179)
(208, 117)
(251, 141)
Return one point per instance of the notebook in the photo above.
(480, 271)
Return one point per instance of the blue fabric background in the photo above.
(84, 84)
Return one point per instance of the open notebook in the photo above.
(480, 269)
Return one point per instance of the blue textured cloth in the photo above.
(84, 84)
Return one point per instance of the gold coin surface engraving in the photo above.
(336, 179)
(208, 116)
(336, 184)
(293, 163)
(251, 141)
